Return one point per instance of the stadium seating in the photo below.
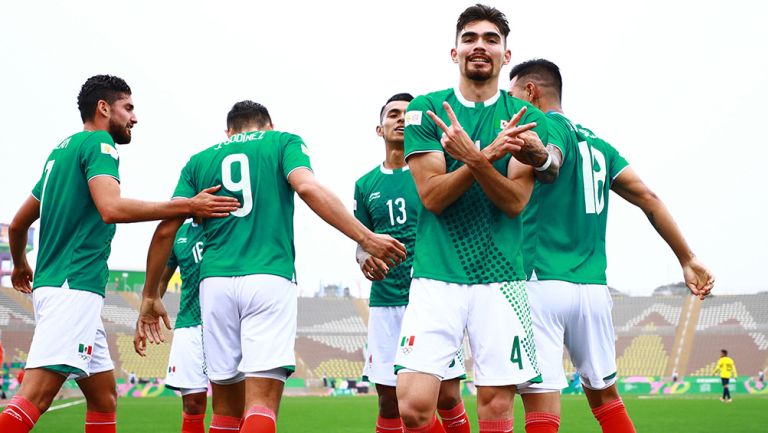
(331, 334)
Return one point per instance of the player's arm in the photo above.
(165, 279)
(546, 161)
(372, 268)
(503, 193)
(28, 213)
(152, 309)
(630, 187)
(328, 207)
(105, 191)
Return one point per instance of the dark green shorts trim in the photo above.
(610, 376)
(289, 369)
(64, 369)
(398, 368)
(536, 379)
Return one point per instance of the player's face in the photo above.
(121, 120)
(480, 51)
(393, 123)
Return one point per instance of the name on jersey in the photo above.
(413, 118)
(109, 150)
(374, 196)
(242, 138)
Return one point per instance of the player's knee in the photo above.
(494, 404)
(388, 407)
(415, 411)
(448, 400)
(104, 402)
(194, 403)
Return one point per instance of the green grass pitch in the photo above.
(701, 414)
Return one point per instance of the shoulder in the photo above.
(430, 100)
(368, 177)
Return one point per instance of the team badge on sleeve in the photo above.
(413, 118)
(109, 150)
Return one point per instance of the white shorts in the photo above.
(497, 322)
(69, 334)
(383, 338)
(249, 325)
(186, 363)
(577, 316)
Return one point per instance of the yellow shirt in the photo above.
(726, 367)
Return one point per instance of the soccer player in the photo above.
(248, 265)
(564, 254)
(468, 267)
(78, 202)
(186, 363)
(386, 201)
(727, 369)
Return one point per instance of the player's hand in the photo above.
(532, 151)
(207, 205)
(698, 278)
(455, 140)
(139, 343)
(507, 141)
(385, 248)
(374, 269)
(21, 278)
(148, 325)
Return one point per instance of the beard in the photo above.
(479, 75)
(120, 133)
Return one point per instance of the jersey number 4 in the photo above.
(243, 185)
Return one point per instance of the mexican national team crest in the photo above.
(406, 344)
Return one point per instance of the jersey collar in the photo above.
(386, 170)
(469, 104)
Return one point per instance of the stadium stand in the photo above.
(653, 334)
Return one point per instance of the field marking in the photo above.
(66, 405)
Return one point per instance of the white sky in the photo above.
(677, 87)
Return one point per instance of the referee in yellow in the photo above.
(727, 370)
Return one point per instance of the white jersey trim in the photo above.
(416, 152)
(469, 104)
(100, 175)
(620, 171)
(386, 170)
(302, 166)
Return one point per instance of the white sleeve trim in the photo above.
(416, 152)
(620, 171)
(296, 168)
(179, 197)
(34, 197)
(99, 175)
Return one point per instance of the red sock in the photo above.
(224, 424)
(100, 422)
(19, 416)
(192, 423)
(541, 422)
(433, 426)
(259, 419)
(389, 425)
(455, 420)
(613, 417)
(496, 425)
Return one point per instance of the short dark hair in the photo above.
(407, 97)
(724, 352)
(542, 71)
(100, 87)
(480, 12)
(246, 113)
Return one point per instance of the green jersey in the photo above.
(566, 220)
(74, 241)
(472, 241)
(386, 201)
(187, 254)
(252, 167)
